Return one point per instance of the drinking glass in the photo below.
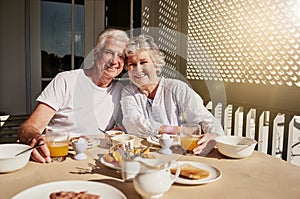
(58, 144)
(189, 136)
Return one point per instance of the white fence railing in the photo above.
(279, 135)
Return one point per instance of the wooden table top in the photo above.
(258, 176)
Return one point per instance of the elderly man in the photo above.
(79, 101)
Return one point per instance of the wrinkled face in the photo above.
(141, 69)
(110, 60)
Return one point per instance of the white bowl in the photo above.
(8, 161)
(125, 140)
(235, 146)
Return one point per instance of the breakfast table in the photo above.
(257, 176)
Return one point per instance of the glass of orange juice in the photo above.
(189, 136)
(58, 144)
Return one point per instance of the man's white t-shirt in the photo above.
(82, 107)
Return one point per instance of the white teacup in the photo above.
(165, 142)
(80, 146)
(126, 140)
(112, 133)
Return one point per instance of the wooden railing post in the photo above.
(257, 125)
(233, 118)
(286, 137)
(271, 134)
(246, 121)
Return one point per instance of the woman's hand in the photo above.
(206, 144)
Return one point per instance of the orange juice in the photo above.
(188, 143)
(58, 149)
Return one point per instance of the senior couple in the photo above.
(85, 100)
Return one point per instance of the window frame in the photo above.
(94, 13)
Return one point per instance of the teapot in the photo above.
(153, 181)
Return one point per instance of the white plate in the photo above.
(113, 166)
(154, 140)
(43, 191)
(215, 174)
(108, 164)
(92, 142)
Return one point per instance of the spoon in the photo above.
(249, 142)
(161, 166)
(34, 147)
(101, 130)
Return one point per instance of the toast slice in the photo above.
(191, 172)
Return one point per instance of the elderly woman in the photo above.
(152, 104)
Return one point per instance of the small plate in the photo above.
(117, 167)
(108, 164)
(215, 174)
(43, 191)
(154, 140)
(91, 141)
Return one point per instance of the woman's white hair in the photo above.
(146, 42)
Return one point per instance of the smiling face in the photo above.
(110, 59)
(141, 69)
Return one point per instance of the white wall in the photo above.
(12, 57)
(13, 97)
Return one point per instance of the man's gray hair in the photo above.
(117, 34)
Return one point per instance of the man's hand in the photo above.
(173, 130)
(41, 154)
